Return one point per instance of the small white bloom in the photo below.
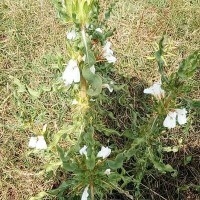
(71, 73)
(32, 142)
(109, 87)
(41, 143)
(104, 153)
(111, 59)
(83, 151)
(92, 69)
(71, 35)
(107, 172)
(85, 194)
(170, 120)
(182, 119)
(108, 53)
(155, 90)
(74, 102)
(99, 30)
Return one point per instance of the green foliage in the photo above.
(80, 160)
(189, 66)
(94, 81)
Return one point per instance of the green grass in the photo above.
(32, 44)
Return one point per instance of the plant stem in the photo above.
(83, 88)
(92, 191)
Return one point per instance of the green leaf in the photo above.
(105, 130)
(132, 151)
(160, 166)
(46, 88)
(90, 58)
(33, 93)
(197, 188)
(89, 136)
(117, 163)
(90, 162)
(39, 196)
(66, 129)
(108, 12)
(21, 87)
(67, 163)
(94, 80)
(129, 134)
(195, 104)
(189, 66)
(160, 60)
(60, 190)
(187, 160)
(52, 166)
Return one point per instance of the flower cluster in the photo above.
(72, 71)
(170, 121)
(37, 142)
(103, 153)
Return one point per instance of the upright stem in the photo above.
(83, 88)
(92, 191)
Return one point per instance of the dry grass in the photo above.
(31, 40)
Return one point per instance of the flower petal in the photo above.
(155, 90)
(71, 35)
(76, 75)
(99, 30)
(85, 194)
(107, 172)
(32, 142)
(170, 120)
(41, 143)
(104, 153)
(182, 118)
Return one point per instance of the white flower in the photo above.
(71, 35)
(111, 59)
(92, 69)
(71, 73)
(74, 102)
(99, 30)
(170, 120)
(155, 90)
(107, 172)
(109, 87)
(104, 153)
(41, 143)
(83, 151)
(108, 53)
(32, 142)
(182, 119)
(85, 194)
